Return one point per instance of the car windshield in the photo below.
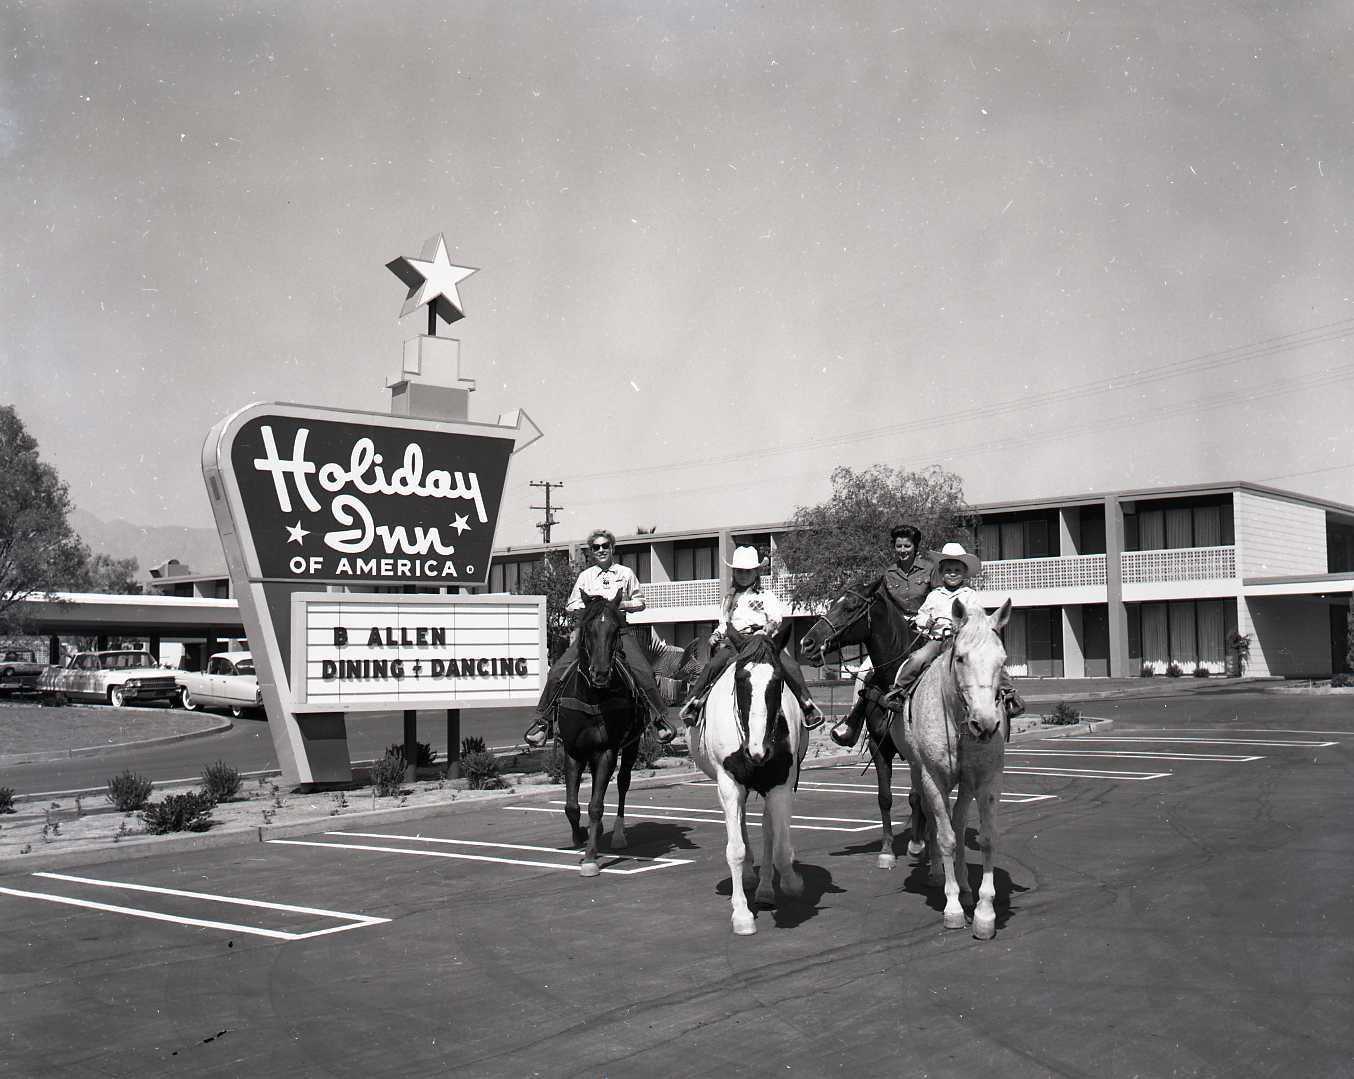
(121, 661)
(245, 666)
(20, 657)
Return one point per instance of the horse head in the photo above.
(599, 635)
(847, 621)
(758, 681)
(976, 660)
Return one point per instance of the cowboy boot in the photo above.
(847, 731)
(540, 731)
(902, 686)
(813, 715)
(691, 711)
(663, 731)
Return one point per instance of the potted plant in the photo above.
(1238, 653)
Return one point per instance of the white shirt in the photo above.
(937, 610)
(753, 609)
(616, 580)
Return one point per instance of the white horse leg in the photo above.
(916, 840)
(944, 842)
(779, 809)
(750, 870)
(959, 824)
(985, 913)
(734, 800)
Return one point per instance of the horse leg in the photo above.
(628, 755)
(985, 913)
(883, 775)
(750, 877)
(959, 825)
(936, 797)
(766, 880)
(573, 776)
(776, 826)
(734, 800)
(603, 764)
(918, 828)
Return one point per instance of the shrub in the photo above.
(472, 743)
(6, 799)
(1148, 671)
(128, 791)
(427, 756)
(179, 813)
(650, 749)
(480, 770)
(1064, 715)
(221, 781)
(1201, 672)
(1174, 671)
(387, 774)
(1339, 681)
(553, 766)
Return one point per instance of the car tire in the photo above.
(185, 699)
(116, 697)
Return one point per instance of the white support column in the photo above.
(1074, 652)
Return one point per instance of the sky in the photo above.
(722, 248)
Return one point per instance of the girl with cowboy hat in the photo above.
(748, 609)
(954, 567)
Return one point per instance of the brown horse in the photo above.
(951, 730)
(865, 615)
(600, 724)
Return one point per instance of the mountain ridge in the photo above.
(197, 548)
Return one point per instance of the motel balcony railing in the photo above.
(1030, 574)
(1179, 564)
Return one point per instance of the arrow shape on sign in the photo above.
(527, 431)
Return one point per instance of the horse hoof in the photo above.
(589, 869)
(744, 925)
(914, 848)
(955, 920)
(984, 928)
(793, 885)
(887, 861)
(766, 899)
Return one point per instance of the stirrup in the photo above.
(691, 711)
(812, 724)
(538, 733)
(664, 732)
(840, 730)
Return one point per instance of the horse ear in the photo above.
(1002, 616)
(958, 611)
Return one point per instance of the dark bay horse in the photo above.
(600, 724)
(865, 615)
(751, 738)
(951, 730)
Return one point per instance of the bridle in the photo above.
(867, 606)
(585, 653)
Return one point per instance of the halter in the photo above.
(867, 601)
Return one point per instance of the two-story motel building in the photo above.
(1101, 584)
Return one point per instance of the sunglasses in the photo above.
(601, 546)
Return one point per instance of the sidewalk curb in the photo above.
(145, 847)
(14, 759)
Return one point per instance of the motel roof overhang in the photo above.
(161, 616)
(1322, 585)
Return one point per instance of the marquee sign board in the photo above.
(381, 652)
(306, 498)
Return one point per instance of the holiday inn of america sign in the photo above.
(309, 498)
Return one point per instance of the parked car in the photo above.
(228, 682)
(126, 677)
(19, 670)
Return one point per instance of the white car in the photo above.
(228, 682)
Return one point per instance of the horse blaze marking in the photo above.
(356, 921)
(716, 816)
(571, 867)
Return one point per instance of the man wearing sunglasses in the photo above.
(603, 578)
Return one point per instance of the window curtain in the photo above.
(1208, 526)
(1184, 650)
(1179, 528)
(1151, 531)
(989, 543)
(1212, 633)
(1012, 540)
(1155, 639)
(1017, 654)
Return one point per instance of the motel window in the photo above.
(506, 575)
(635, 559)
(683, 633)
(695, 560)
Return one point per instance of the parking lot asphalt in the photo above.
(1172, 900)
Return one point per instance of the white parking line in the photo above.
(871, 790)
(1156, 740)
(1086, 773)
(716, 816)
(357, 921)
(1126, 754)
(572, 867)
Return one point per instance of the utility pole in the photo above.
(549, 521)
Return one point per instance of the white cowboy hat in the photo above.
(954, 552)
(747, 558)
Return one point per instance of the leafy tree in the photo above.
(39, 553)
(840, 540)
(106, 574)
(553, 577)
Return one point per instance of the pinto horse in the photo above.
(864, 614)
(751, 738)
(951, 729)
(600, 723)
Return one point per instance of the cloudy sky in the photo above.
(1053, 247)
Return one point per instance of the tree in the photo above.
(39, 552)
(106, 574)
(839, 541)
(553, 577)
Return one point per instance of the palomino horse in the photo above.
(864, 614)
(751, 738)
(951, 730)
(599, 722)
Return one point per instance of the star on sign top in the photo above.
(432, 280)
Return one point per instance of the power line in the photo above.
(549, 522)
